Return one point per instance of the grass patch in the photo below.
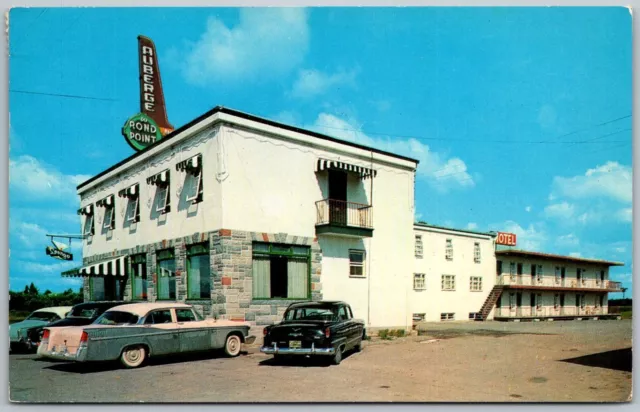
(627, 314)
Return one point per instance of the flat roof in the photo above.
(475, 232)
(549, 256)
(246, 116)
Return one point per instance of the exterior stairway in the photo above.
(490, 302)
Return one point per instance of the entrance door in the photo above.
(562, 275)
(532, 303)
(519, 272)
(338, 197)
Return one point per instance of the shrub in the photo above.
(384, 334)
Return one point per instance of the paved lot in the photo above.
(466, 362)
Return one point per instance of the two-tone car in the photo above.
(134, 332)
(315, 329)
(18, 332)
(80, 315)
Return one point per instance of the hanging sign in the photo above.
(141, 131)
(507, 239)
(58, 254)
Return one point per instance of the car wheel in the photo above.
(133, 357)
(337, 358)
(233, 345)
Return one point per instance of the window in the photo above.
(419, 281)
(556, 301)
(449, 250)
(193, 185)
(512, 269)
(475, 283)
(499, 268)
(114, 317)
(88, 225)
(476, 252)
(106, 288)
(474, 315)
(418, 246)
(163, 199)
(281, 271)
(312, 313)
(356, 263)
(166, 273)
(139, 277)
(512, 300)
(447, 316)
(342, 313)
(539, 301)
(448, 282)
(539, 273)
(583, 301)
(185, 315)
(133, 210)
(109, 218)
(419, 317)
(158, 317)
(198, 272)
(558, 274)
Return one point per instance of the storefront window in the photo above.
(280, 271)
(139, 277)
(166, 275)
(198, 272)
(107, 287)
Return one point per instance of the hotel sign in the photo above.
(141, 131)
(507, 239)
(58, 254)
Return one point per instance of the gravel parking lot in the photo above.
(449, 362)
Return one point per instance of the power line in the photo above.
(71, 96)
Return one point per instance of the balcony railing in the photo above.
(552, 281)
(342, 213)
(548, 311)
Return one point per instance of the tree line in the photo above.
(31, 299)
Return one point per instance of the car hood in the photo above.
(25, 324)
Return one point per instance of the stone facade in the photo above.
(231, 262)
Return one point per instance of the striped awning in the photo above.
(192, 164)
(131, 191)
(159, 179)
(87, 210)
(71, 272)
(113, 267)
(106, 202)
(363, 172)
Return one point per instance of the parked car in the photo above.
(41, 317)
(315, 328)
(134, 332)
(81, 314)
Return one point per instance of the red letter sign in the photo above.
(507, 239)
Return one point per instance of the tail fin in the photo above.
(151, 93)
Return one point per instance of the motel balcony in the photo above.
(557, 283)
(341, 218)
(538, 312)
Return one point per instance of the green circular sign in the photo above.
(140, 131)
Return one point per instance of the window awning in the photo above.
(363, 172)
(131, 191)
(106, 202)
(75, 272)
(191, 165)
(159, 179)
(113, 267)
(87, 210)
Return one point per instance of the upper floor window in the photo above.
(418, 246)
(449, 249)
(419, 282)
(109, 220)
(193, 184)
(475, 283)
(512, 269)
(162, 200)
(448, 282)
(132, 193)
(356, 263)
(476, 252)
(87, 212)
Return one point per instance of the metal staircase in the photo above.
(490, 302)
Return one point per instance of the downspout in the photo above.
(370, 247)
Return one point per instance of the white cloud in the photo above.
(568, 240)
(611, 180)
(264, 42)
(527, 209)
(313, 82)
(441, 172)
(562, 210)
(472, 226)
(531, 238)
(37, 181)
(29, 234)
(625, 214)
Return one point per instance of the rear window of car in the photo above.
(310, 314)
(44, 316)
(116, 318)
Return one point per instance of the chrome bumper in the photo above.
(79, 356)
(275, 350)
(249, 339)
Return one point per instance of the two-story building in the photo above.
(545, 286)
(454, 271)
(241, 216)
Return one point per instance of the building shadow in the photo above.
(619, 360)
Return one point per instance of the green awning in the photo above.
(72, 272)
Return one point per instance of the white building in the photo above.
(240, 216)
(454, 271)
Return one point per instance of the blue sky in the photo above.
(521, 117)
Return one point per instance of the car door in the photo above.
(194, 333)
(344, 327)
(164, 334)
(356, 327)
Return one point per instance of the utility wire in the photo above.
(71, 96)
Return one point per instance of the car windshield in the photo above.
(83, 312)
(43, 316)
(314, 313)
(116, 318)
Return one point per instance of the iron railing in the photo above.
(548, 311)
(342, 213)
(553, 281)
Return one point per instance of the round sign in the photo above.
(140, 131)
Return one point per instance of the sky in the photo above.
(520, 117)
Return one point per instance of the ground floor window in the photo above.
(447, 316)
(198, 272)
(474, 315)
(107, 287)
(139, 277)
(419, 317)
(166, 273)
(281, 271)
